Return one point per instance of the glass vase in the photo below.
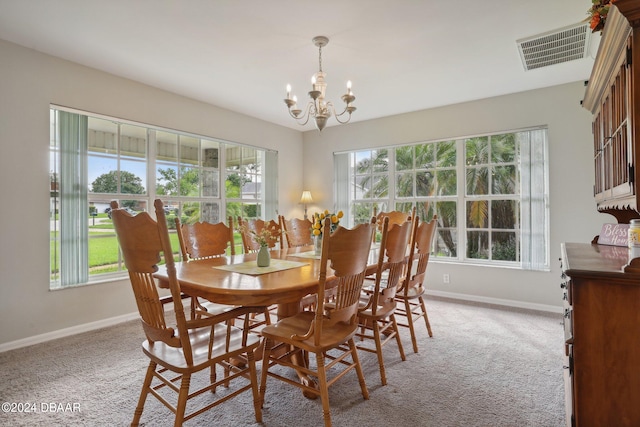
(317, 245)
(264, 257)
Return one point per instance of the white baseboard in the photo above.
(78, 329)
(37, 339)
(497, 301)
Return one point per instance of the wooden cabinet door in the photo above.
(606, 352)
(612, 149)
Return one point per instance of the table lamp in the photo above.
(305, 200)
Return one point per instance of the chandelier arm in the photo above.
(337, 116)
(307, 115)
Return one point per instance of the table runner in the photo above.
(251, 268)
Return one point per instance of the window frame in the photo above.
(530, 258)
(144, 200)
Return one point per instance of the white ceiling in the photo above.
(401, 55)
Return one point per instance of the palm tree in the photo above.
(430, 170)
(483, 178)
(379, 162)
(436, 174)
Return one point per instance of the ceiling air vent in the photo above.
(555, 47)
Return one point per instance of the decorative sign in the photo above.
(614, 235)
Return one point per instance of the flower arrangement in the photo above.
(263, 237)
(318, 220)
(598, 14)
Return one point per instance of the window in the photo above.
(369, 184)
(94, 160)
(490, 194)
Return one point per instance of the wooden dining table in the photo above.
(236, 280)
(224, 280)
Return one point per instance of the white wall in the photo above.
(573, 212)
(29, 82)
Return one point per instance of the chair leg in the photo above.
(392, 318)
(267, 343)
(257, 402)
(426, 318)
(267, 316)
(305, 357)
(324, 388)
(376, 338)
(356, 361)
(146, 385)
(227, 372)
(213, 377)
(182, 399)
(409, 313)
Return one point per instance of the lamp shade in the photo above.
(306, 197)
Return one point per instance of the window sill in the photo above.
(469, 263)
(116, 277)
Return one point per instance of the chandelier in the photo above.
(317, 107)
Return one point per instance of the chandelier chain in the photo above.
(320, 57)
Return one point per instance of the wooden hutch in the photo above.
(602, 283)
(613, 97)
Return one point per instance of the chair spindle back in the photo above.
(205, 239)
(346, 252)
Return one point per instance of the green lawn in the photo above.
(103, 248)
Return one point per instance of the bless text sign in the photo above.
(614, 235)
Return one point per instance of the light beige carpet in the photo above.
(485, 366)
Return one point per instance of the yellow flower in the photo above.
(318, 220)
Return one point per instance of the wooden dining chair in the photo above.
(177, 352)
(395, 217)
(245, 226)
(326, 334)
(249, 245)
(203, 240)
(297, 232)
(410, 294)
(376, 317)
